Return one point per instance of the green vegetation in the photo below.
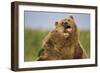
(33, 42)
(85, 41)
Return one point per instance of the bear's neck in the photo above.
(60, 41)
(72, 39)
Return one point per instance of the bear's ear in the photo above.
(71, 17)
(56, 23)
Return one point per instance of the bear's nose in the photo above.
(66, 25)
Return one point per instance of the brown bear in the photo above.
(62, 42)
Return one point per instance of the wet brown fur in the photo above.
(56, 46)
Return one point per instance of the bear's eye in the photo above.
(68, 20)
(62, 23)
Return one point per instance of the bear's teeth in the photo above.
(69, 29)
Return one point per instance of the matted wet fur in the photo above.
(62, 42)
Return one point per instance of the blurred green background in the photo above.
(33, 42)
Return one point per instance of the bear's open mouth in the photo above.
(67, 32)
(67, 27)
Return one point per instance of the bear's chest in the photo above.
(58, 39)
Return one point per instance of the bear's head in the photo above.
(66, 26)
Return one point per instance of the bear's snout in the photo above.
(66, 25)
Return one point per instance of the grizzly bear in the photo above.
(62, 42)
